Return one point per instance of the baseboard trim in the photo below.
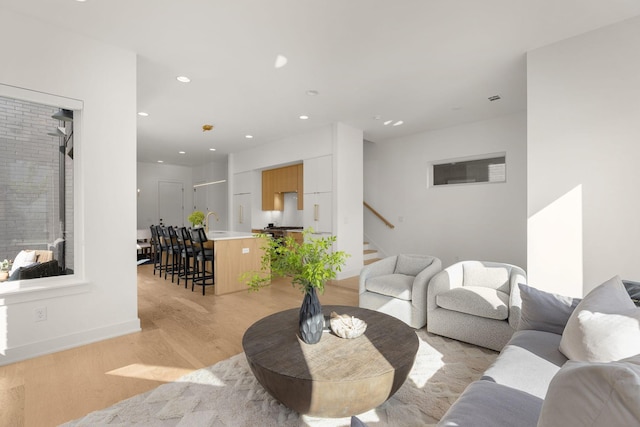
(54, 345)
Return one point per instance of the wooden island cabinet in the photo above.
(235, 253)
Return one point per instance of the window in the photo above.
(492, 168)
(36, 190)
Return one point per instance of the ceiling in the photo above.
(428, 63)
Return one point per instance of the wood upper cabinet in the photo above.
(275, 182)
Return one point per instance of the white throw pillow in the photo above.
(593, 394)
(604, 327)
(23, 259)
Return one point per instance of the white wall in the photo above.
(469, 221)
(583, 150)
(216, 195)
(348, 185)
(100, 301)
(148, 177)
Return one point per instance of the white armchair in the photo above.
(397, 286)
(477, 302)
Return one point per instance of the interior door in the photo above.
(171, 203)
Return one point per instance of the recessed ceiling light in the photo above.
(248, 136)
(398, 123)
(303, 117)
(281, 61)
(312, 92)
(181, 152)
(183, 79)
(143, 114)
(388, 122)
(160, 161)
(212, 149)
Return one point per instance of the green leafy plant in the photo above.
(196, 218)
(5, 265)
(309, 264)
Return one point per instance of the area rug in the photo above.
(227, 394)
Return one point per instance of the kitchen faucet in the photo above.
(208, 215)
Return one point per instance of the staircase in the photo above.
(370, 254)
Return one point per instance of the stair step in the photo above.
(371, 261)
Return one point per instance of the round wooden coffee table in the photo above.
(336, 377)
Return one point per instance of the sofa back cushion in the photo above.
(412, 265)
(594, 394)
(544, 311)
(476, 274)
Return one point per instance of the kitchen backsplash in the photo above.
(291, 216)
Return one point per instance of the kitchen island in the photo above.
(235, 253)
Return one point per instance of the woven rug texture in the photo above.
(227, 394)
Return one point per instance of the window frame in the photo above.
(433, 164)
(42, 288)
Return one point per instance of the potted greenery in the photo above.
(196, 218)
(310, 265)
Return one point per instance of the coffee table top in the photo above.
(387, 345)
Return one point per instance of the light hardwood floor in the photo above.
(181, 331)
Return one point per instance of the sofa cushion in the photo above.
(22, 259)
(411, 265)
(594, 394)
(476, 274)
(604, 326)
(392, 285)
(37, 270)
(476, 300)
(528, 362)
(544, 311)
(487, 404)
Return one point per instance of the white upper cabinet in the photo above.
(242, 213)
(242, 182)
(318, 174)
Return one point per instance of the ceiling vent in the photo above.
(494, 98)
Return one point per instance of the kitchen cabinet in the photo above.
(318, 212)
(318, 174)
(277, 181)
(318, 194)
(242, 212)
(270, 200)
(242, 182)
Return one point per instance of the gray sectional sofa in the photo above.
(532, 383)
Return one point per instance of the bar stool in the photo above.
(187, 256)
(157, 250)
(171, 250)
(203, 254)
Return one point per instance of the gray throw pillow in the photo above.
(544, 311)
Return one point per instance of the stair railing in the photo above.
(376, 213)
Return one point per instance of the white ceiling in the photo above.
(429, 63)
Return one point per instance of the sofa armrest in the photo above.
(421, 283)
(447, 279)
(384, 266)
(516, 277)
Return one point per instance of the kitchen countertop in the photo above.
(228, 235)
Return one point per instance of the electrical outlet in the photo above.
(245, 250)
(41, 314)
